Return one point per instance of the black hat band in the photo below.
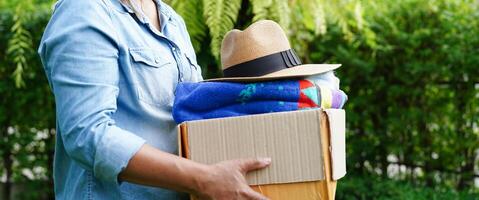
(264, 65)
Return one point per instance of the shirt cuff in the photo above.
(113, 153)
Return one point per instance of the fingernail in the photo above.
(266, 161)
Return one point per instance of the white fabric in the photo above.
(325, 79)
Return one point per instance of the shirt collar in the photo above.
(126, 7)
(162, 7)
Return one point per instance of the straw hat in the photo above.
(262, 52)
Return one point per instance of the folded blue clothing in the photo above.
(207, 100)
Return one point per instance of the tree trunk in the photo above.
(7, 162)
(51, 152)
(463, 92)
(7, 159)
(467, 172)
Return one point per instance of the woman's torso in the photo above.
(151, 63)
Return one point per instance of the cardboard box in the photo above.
(307, 149)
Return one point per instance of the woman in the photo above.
(113, 67)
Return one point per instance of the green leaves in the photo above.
(277, 10)
(192, 12)
(355, 187)
(209, 20)
(280, 12)
(220, 16)
(410, 69)
(314, 16)
(19, 45)
(26, 137)
(409, 96)
(260, 9)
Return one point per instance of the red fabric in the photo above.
(304, 101)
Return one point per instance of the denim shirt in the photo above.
(113, 76)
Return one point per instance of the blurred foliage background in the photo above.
(410, 68)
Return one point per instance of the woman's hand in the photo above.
(222, 181)
(226, 180)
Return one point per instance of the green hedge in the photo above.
(412, 75)
(374, 187)
(27, 114)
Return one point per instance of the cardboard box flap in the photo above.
(291, 139)
(337, 128)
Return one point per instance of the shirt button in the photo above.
(157, 60)
(174, 49)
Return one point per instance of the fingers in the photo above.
(253, 195)
(247, 165)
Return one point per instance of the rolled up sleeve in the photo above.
(80, 57)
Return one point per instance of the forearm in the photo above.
(150, 166)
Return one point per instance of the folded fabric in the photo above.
(325, 79)
(206, 100)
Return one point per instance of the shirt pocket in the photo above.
(155, 76)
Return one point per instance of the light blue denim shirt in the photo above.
(113, 76)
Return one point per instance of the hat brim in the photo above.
(293, 72)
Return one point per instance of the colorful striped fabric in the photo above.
(206, 100)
